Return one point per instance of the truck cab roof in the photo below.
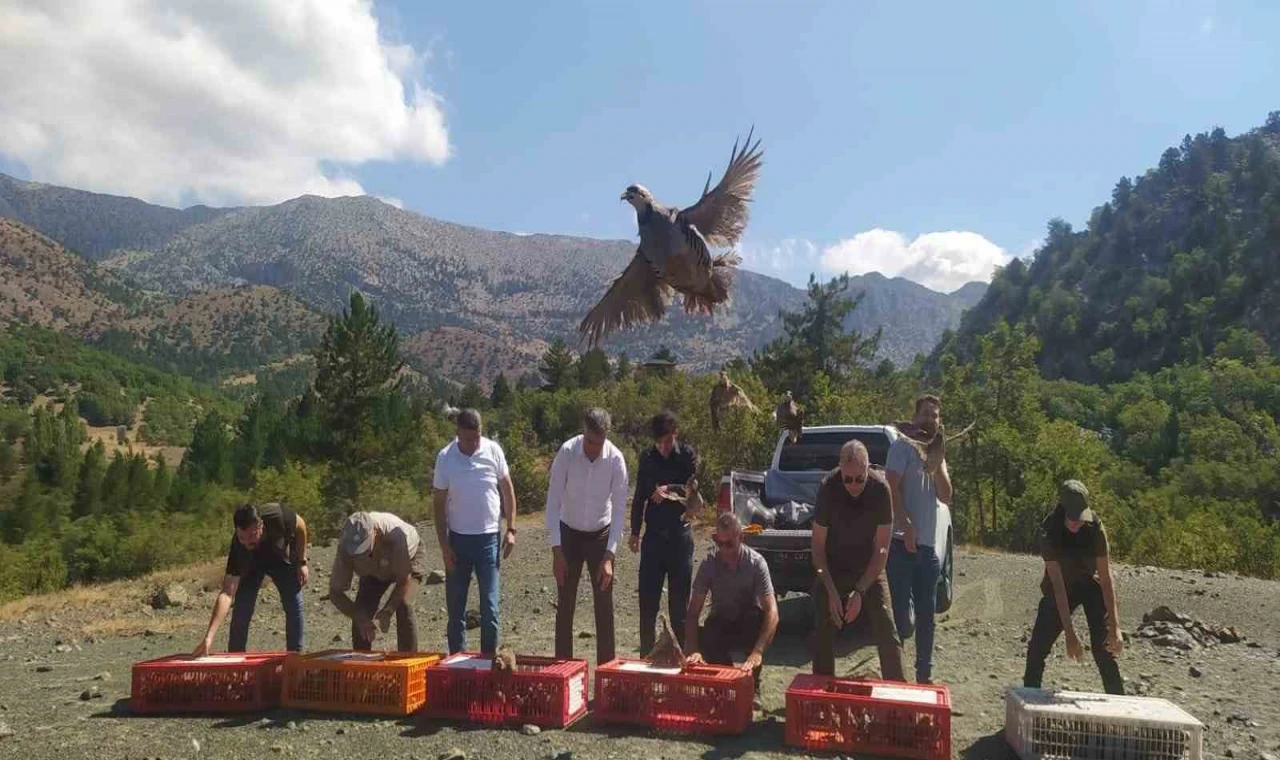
(818, 449)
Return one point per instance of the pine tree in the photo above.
(815, 340)
(501, 392)
(593, 368)
(8, 462)
(557, 366)
(357, 363)
(88, 498)
(208, 458)
(623, 369)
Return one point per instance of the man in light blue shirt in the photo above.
(914, 565)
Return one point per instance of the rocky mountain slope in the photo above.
(520, 291)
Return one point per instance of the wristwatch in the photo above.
(512, 529)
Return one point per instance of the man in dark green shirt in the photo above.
(269, 540)
(1077, 573)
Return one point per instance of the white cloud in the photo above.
(942, 261)
(391, 200)
(791, 260)
(234, 101)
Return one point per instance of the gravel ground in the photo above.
(65, 667)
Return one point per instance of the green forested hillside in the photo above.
(1182, 263)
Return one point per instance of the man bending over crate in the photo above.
(586, 512)
(473, 492)
(852, 526)
(744, 611)
(383, 551)
(1077, 572)
(268, 541)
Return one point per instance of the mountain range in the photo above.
(470, 302)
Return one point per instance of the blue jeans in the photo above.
(478, 553)
(285, 576)
(913, 582)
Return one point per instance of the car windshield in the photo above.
(821, 450)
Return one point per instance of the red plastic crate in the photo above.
(869, 717)
(703, 699)
(232, 682)
(542, 691)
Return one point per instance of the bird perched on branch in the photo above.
(790, 415)
(725, 394)
(674, 251)
(932, 450)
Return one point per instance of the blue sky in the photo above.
(885, 125)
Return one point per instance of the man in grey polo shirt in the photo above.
(914, 565)
(744, 611)
(382, 550)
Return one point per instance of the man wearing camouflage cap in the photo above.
(1077, 573)
(382, 550)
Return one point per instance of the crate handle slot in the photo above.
(845, 687)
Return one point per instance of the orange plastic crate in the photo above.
(374, 683)
(232, 682)
(869, 717)
(542, 691)
(703, 699)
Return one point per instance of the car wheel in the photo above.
(946, 578)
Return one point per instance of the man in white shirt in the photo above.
(473, 491)
(586, 507)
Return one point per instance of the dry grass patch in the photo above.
(114, 596)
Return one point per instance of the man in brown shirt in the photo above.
(382, 550)
(1077, 573)
(852, 527)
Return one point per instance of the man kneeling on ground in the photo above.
(744, 611)
(268, 541)
(383, 550)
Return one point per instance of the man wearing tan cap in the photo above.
(382, 550)
(1077, 573)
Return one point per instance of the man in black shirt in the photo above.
(1077, 573)
(666, 492)
(270, 540)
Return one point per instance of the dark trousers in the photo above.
(719, 637)
(664, 555)
(578, 547)
(285, 576)
(875, 614)
(1048, 627)
(368, 598)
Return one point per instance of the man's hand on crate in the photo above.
(694, 658)
(752, 662)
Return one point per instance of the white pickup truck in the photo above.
(781, 499)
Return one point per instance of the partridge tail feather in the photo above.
(723, 268)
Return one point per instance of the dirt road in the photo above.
(980, 653)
